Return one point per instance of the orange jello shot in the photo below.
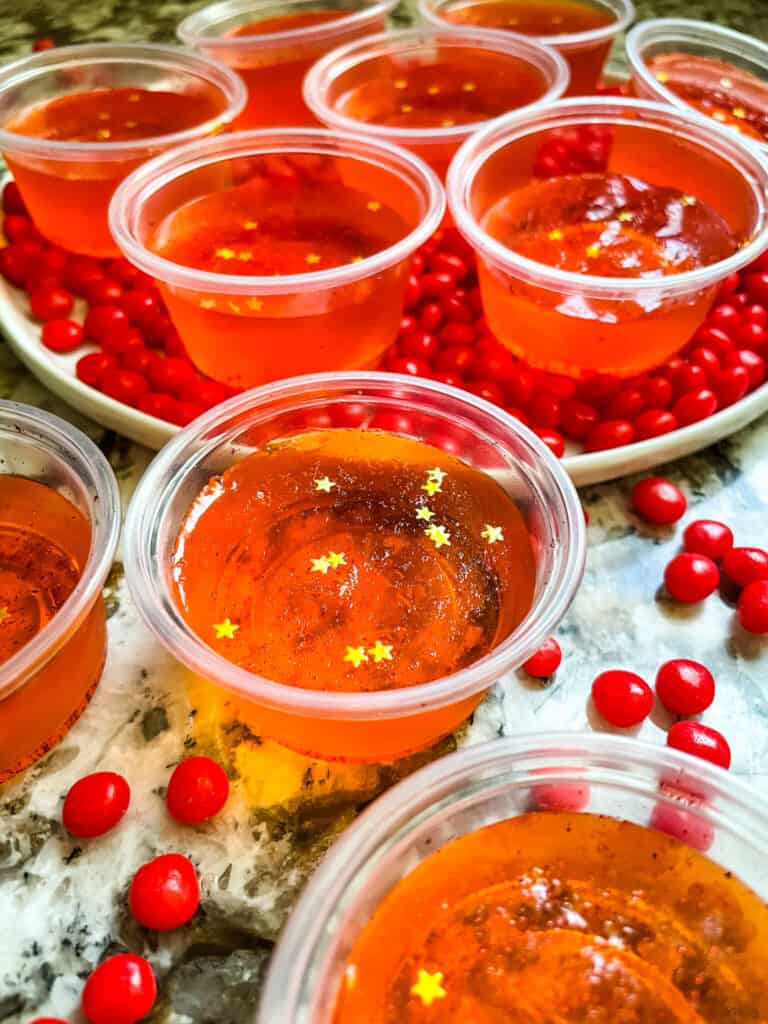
(429, 90)
(609, 268)
(273, 45)
(581, 30)
(357, 589)
(280, 252)
(59, 523)
(694, 64)
(75, 121)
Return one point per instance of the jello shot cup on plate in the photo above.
(308, 547)
(74, 121)
(696, 65)
(583, 31)
(603, 227)
(60, 512)
(273, 44)
(543, 876)
(429, 89)
(280, 252)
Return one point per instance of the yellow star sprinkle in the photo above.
(433, 90)
(556, 235)
(374, 206)
(625, 215)
(324, 484)
(226, 254)
(251, 225)
(356, 656)
(225, 630)
(380, 652)
(688, 201)
(425, 513)
(103, 133)
(492, 533)
(429, 987)
(400, 83)
(431, 487)
(739, 112)
(254, 304)
(245, 256)
(438, 535)
(661, 77)
(336, 558)
(312, 258)
(4, 613)
(447, 123)
(718, 116)
(234, 307)
(726, 83)
(593, 251)
(406, 108)
(437, 474)
(357, 259)
(207, 303)
(468, 87)
(320, 565)
(104, 116)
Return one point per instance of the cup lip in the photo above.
(623, 9)
(699, 130)
(105, 530)
(218, 74)
(192, 29)
(688, 31)
(338, 61)
(150, 177)
(160, 613)
(416, 798)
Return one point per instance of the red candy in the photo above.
(622, 698)
(546, 661)
(121, 990)
(658, 501)
(745, 565)
(708, 537)
(95, 804)
(752, 608)
(165, 893)
(691, 578)
(700, 741)
(685, 687)
(62, 335)
(197, 790)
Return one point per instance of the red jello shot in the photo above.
(76, 120)
(272, 46)
(603, 228)
(428, 89)
(280, 253)
(695, 65)
(583, 31)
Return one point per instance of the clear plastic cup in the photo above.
(247, 330)
(67, 186)
(575, 323)
(46, 685)
(370, 68)
(585, 52)
(273, 57)
(660, 36)
(480, 786)
(371, 726)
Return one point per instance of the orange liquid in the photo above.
(294, 214)
(44, 544)
(562, 919)
(316, 550)
(274, 76)
(546, 18)
(69, 201)
(729, 95)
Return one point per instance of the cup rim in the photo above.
(160, 613)
(82, 453)
(339, 61)
(216, 73)
(690, 31)
(623, 9)
(350, 861)
(155, 174)
(701, 131)
(191, 29)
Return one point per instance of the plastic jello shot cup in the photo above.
(583, 31)
(429, 89)
(603, 227)
(273, 45)
(60, 511)
(280, 252)
(356, 560)
(74, 121)
(696, 65)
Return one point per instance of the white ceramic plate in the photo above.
(57, 372)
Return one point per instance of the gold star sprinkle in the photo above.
(492, 534)
(225, 254)
(593, 251)
(103, 133)
(207, 303)
(556, 235)
(625, 215)
(468, 87)
(726, 83)
(380, 652)
(356, 656)
(312, 258)
(357, 259)
(320, 565)
(718, 116)
(234, 307)
(739, 112)
(4, 613)
(245, 256)
(438, 535)
(429, 987)
(336, 558)
(401, 83)
(688, 201)
(225, 630)
(425, 513)
(433, 90)
(406, 108)
(431, 487)
(251, 225)
(374, 206)
(661, 77)
(104, 116)
(254, 304)
(134, 97)
(324, 484)
(447, 123)
(437, 474)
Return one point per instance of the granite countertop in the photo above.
(62, 903)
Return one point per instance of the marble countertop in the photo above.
(62, 903)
